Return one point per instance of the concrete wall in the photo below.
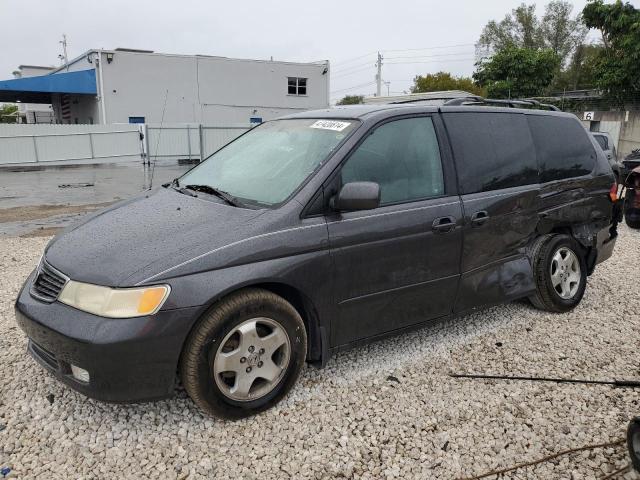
(623, 126)
(212, 90)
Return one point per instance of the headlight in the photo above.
(114, 302)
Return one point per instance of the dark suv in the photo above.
(311, 234)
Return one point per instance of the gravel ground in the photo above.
(387, 410)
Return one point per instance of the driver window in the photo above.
(403, 157)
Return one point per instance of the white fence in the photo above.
(188, 141)
(55, 143)
(27, 144)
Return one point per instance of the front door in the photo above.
(399, 264)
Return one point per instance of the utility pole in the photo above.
(64, 51)
(379, 76)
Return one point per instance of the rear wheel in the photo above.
(560, 273)
(244, 355)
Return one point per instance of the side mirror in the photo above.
(357, 196)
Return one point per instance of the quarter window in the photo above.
(297, 86)
(403, 157)
(563, 147)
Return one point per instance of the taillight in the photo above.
(613, 192)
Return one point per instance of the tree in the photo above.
(444, 81)
(351, 100)
(581, 70)
(559, 31)
(617, 66)
(517, 29)
(8, 113)
(556, 30)
(517, 72)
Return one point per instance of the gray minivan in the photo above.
(314, 233)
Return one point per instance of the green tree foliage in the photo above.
(557, 30)
(517, 72)
(617, 66)
(7, 113)
(518, 29)
(581, 71)
(351, 100)
(444, 81)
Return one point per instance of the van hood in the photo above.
(147, 234)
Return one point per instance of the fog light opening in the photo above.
(80, 374)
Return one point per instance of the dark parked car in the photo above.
(312, 234)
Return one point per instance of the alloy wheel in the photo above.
(565, 273)
(252, 359)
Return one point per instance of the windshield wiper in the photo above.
(175, 184)
(226, 196)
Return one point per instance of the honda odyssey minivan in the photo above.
(314, 233)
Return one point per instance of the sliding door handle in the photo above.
(479, 218)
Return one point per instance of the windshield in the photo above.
(267, 164)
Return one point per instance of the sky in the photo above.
(415, 37)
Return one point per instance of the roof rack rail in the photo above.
(511, 103)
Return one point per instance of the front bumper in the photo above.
(128, 360)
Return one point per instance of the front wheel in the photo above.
(560, 273)
(244, 355)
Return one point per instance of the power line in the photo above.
(349, 60)
(432, 48)
(352, 72)
(434, 56)
(354, 87)
(340, 70)
(431, 61)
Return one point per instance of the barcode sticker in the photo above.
(331, 125)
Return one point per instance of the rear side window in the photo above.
(563, 147)
(492, 150)
(403, 157)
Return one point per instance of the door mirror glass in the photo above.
(357, 196)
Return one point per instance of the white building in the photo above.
(138, 86)
(34, 112)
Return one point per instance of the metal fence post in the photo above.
(91, 146)
(189, 140)
(146, 141)
(201, 139)
(35, 148)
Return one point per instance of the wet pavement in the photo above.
(38, 200)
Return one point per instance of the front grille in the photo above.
(48, 283)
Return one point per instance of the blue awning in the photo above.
(39, 89)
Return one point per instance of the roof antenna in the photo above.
(153, 167)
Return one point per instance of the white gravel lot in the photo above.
(351, 420)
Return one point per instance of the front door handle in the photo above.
(444, 224)
(479, 218)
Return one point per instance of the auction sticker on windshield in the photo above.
(331, 125)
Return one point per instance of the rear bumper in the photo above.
(128, 360)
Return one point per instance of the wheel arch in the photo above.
(317, 336)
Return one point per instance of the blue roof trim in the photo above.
(80, 82)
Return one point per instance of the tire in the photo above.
(633, 442)
(242, 333)
(631, 223)
(558, 290)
